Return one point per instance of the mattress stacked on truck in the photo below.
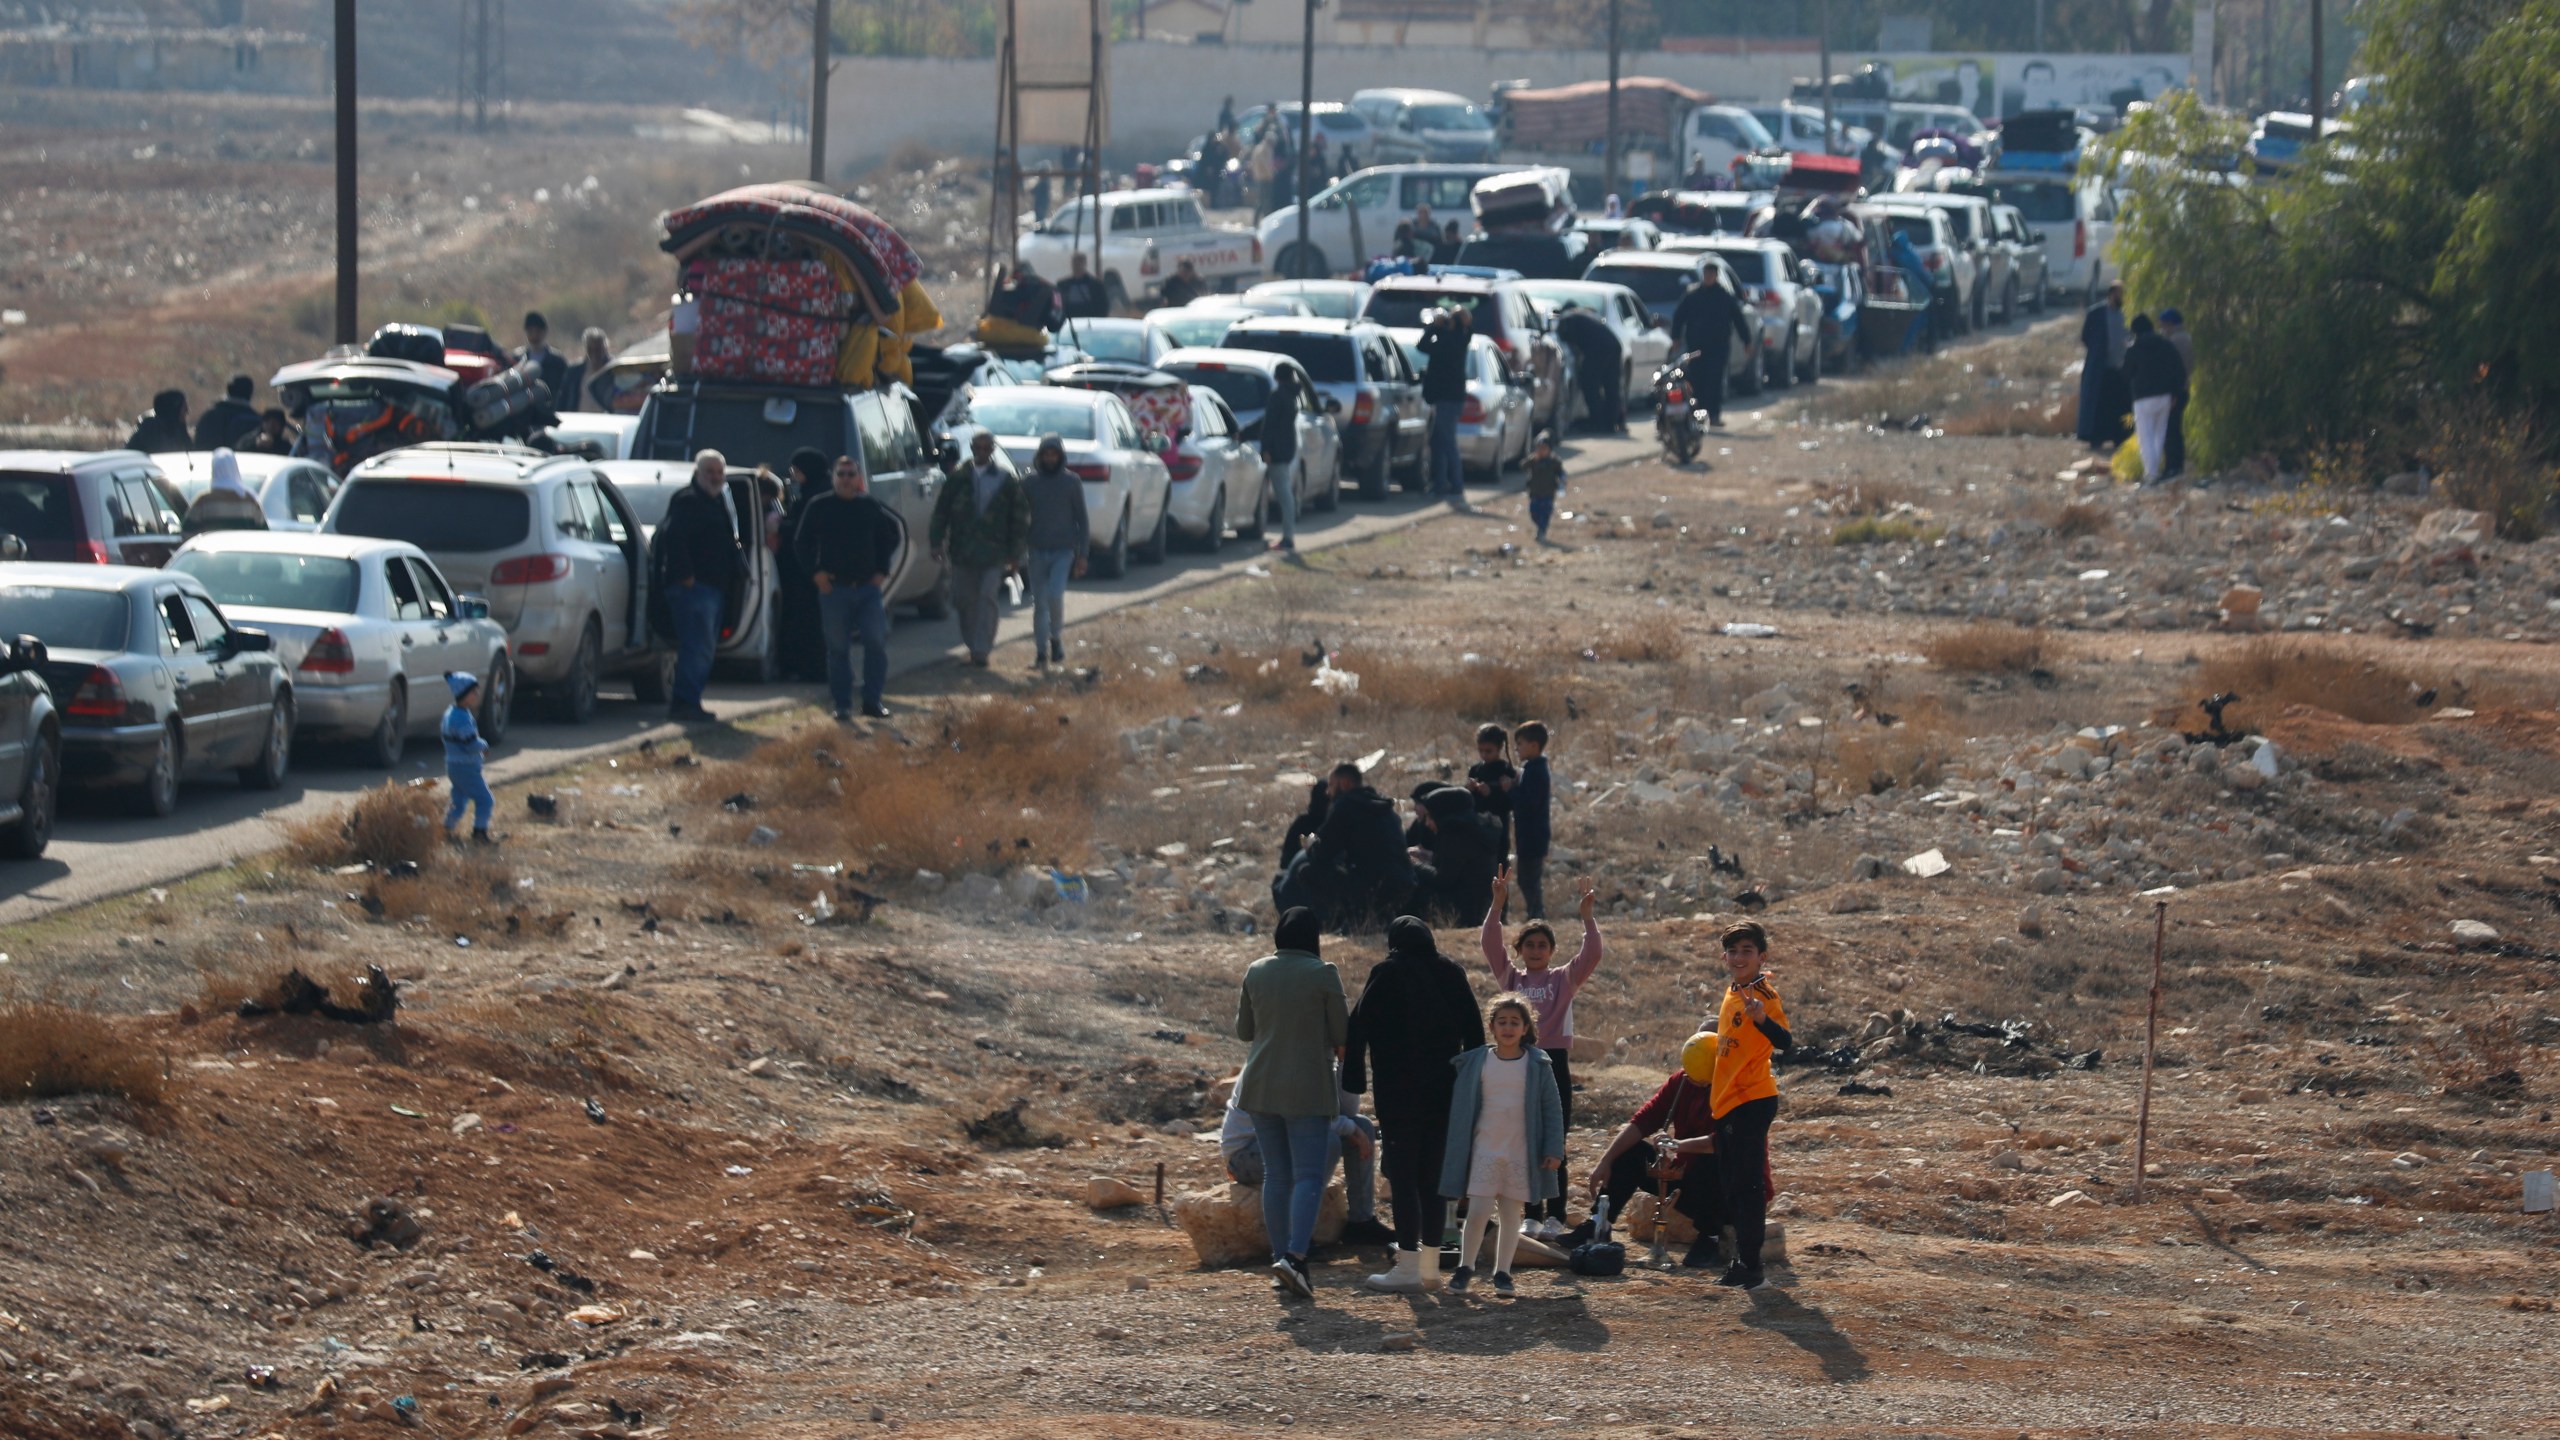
(795, 286)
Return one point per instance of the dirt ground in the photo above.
(798, 971)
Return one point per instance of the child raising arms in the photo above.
(1506, 1137)
(1551, 991)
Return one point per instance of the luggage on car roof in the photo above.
(398, 341)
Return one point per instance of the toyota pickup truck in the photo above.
(1146, 235)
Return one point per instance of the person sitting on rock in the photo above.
(1355, 1149)
(1684, 1169)
(1354, 869)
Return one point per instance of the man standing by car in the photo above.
(232, 418)
(696, 551)
(550, 363)
(1444, 384)
(982, 526)
(848, 543)
(1600, 359)
(165, 428)
(1280, 456)
(1080, 296)
(1707, 321)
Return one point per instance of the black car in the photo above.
(152, 683)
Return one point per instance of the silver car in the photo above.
(1205, 322)
(1127, 490)
(1329, 299)
(1784, 309)
(553, 545)
(1115, 338)
(1495, 426)
(293, 491)
(1642, 342)
(747, 640)
(367, 628)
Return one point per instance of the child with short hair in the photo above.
(1751, 1026)
(1545, 481)
(1506, 1137)
(1491, 778)
(463, 747)
(1532, 795)
(1551, 990)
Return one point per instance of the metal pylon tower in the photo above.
(480, 64)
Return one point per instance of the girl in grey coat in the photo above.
(1506, 1137)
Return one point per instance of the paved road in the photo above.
(97, 852)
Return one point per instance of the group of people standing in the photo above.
(1476, 1104)
(1267, 159)
(2140, 367)
(1348, 861)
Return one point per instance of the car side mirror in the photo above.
(1332, 406)
(471, 607)
(12, 547)
(26, 652)
(239, 641)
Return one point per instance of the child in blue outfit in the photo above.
(463, 748)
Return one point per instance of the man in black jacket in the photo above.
(1445, 335)
(1080, 296)
(697, 560)
(848, 542)
(1280, 457)
(165, 428)
(1707, 320)
(232, 418)
(1416, 1013)
(1601, 360)
(2155, 376)
(1355, 866)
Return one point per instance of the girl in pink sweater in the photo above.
(1551, 990)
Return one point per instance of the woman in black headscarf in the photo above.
(798, 649)
(1416, 1013)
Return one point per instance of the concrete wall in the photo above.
(261, 62)
(1163, 93)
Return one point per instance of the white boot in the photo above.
(1405, 1276)
(1426, 1264)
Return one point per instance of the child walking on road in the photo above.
(1506, 1138)
(463, 748)
(1550, 990)
(1544, 476)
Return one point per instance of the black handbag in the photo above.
(1598, 1255)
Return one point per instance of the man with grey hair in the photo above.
(1061, 531)
(574, 391)
(696, 559)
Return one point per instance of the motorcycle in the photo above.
(1675, 415)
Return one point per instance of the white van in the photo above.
(1720, 135)
(1354, 219)
(1427, 125)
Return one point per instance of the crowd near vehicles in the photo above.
(1136, 239)
(294, 492)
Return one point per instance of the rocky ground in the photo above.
(756, 1088)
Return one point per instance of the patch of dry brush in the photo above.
(48, 1050)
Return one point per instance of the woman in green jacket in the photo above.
(1291, 1010)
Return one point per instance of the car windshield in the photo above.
(1752, 130)
(323, 583)
(1027, 415)
(1107, 339)
(1201, 328)
(38, 507)
(1750, 267)
(1404, 309)
(1446, 117)
(64, 619)
(1915, 228)
(2041, 204)
(1245, 391)
(1653, 284)
(1325, 358)
(1329, 303)
(437, 515)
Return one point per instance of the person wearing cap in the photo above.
(554, 366)
(232, 418)
(228, 504)
(1684, 1170)
(2153, 376)
(463, 749)
(165, 428)
(1061, 531)
(2173, 328)
(848, 542)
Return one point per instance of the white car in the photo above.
(1246, 380)
(1427, 125)
(1643, 341)
(614, 436)
(1115, 338)
(1798, 130)
(367, 628)
(1787, 311)
(1285, 306)
(1659, 278)
(1720, 135)
(293, 491)
(1355, 218)
(1144, 236)
(1325, 299)
(1339, 123)
(2076, 219)
(1127, 490)
(1219, 487)
(554, 546)
(1202, 322)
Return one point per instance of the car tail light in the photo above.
(1364, 409)
(100, 696)
(1935, 259)
(329, 655)
(534, 647)
(1181, 465)
(530, 570)
(1674, 395)
(1472, 413)
(1769, 300)
(2079, 238)
(94, 552)
(1501, 343)
(1090, 470)
(1257, 252)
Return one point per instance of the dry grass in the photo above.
(1910, 754)
(471, 892)
(2081, 517)
(2270, 674)
(392, 822)
(1996, 415)
(1865, 497)
(1885, 530)
(47, 1050)
(1652, 639)
(1987, 649)
(1496, 687)
(2483, 1059)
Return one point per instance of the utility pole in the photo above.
(2319, 75)
(345, 39)
(1306, 122)
(2039, 24)
(819, 44)
(1609, 170)
(1825, 22)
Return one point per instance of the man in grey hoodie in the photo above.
(1060, 533)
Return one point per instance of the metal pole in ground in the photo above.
(2150, 1049)
(818, 46)
(1609, 182)
(2319, 75)
(1826, 77)
(345, 40)
(1306, 118)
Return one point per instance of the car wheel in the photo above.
(1251, 529)
(26, 839)
(1373, 476)
(1159, 539)
(1783, 373)
(1216, 535)
(1298, 262)
(1752, 380)
(1113, 561)
(391, 733)
(1980, 318)
(275, 757)
(157, 794)
(573, 696)
(498, 709)
(935, 604)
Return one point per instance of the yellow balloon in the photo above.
(1698, 1057)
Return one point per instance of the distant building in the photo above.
(1467, 24)
(151, 57)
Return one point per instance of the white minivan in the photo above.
(1354, 219)
(1720, 135)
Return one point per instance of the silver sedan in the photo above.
(366, 628)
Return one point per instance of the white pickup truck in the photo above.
(1146, 235)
